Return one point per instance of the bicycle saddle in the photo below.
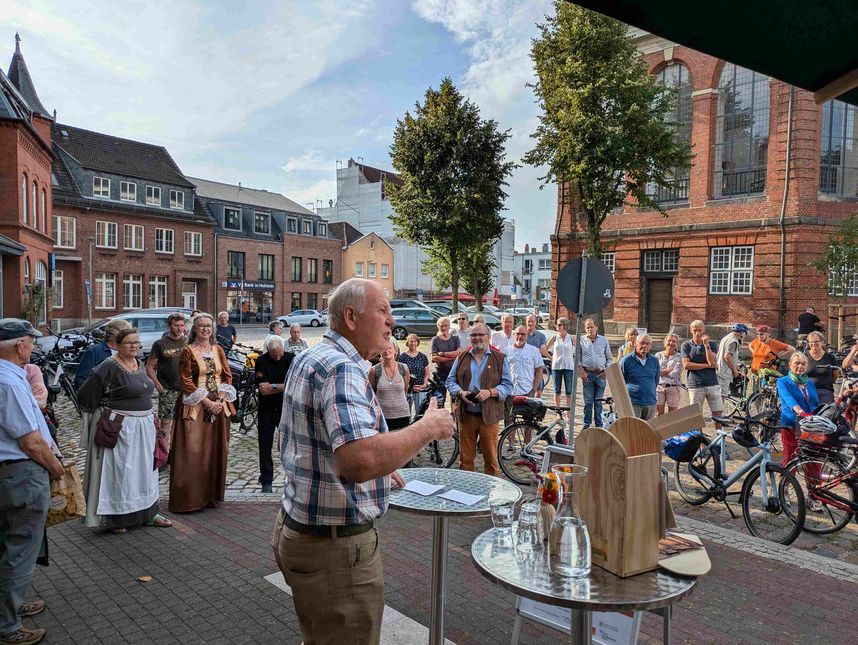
(724, 421)
(609, 400)
(848, 441)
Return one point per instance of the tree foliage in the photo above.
(453, 169)
(606, 123)
(839, 262)
(478, 266)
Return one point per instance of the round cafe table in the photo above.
(528, 575)
(491, 488)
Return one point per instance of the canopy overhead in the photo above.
(809, 44)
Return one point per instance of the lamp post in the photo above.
(90, 285)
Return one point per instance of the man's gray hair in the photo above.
(273, 341)
(507, 316)
(223, 313)
(296, 326)
(644, 336)
(351, 293)
(697, 324)
(115, 326)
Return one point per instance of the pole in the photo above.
(91, 286)
(573, 400)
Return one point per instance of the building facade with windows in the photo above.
(732, 247)
(128, 230)
(532, 270)
(26, 206)
(366, 256)
(273, 256)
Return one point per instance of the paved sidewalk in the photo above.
(208, 586)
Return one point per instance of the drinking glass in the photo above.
(528, 539)
(502, 514)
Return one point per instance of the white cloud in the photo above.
(311, 160)
(323, 189)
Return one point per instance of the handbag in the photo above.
(107, 428)
(162, 450)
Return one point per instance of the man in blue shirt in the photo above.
(478, 383)
(641, 372)
(99, 352)
(26, 465)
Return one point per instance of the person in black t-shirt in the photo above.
(809, 321)
(226, 334)
(162, 367)
(271, 369)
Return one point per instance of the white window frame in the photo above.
(544, 264)
(25, 187)
(44, 210)
(35, 205)
(101, 185)
(193, 244)
(127, 191)
(291, 224)
(171, 238)
(153, 195)
(267, 218)
(132, 237)
(103, 235)
(59, 237)
(58, 290)
(670, 260)
(158, 291)
(370, 270)
(132, 291)
(358, 269)
(177, 199)
(731, 270)
(308, 227)
(609, 259)
(385, 270)
(322, 229)
(233, 210)
(100, 295)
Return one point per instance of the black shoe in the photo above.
(266, 488)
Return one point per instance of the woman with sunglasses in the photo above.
(121, 483)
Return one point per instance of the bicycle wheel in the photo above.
(822, 516)
(689, 484)
(779, 515)
(248, 411)
(513, 457)
(731, 406)
(438, 454)
(763, 405)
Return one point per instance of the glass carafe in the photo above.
(569, 541)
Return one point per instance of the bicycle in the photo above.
(526, 440)
(773, 505)
(242, 360)
(437, 453)
(609, 416)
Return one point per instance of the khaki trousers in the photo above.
(471, 426)
(337, 584)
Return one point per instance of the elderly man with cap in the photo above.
(729, 367)
(478, 383)
(27, 463)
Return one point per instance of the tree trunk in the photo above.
(454, 281)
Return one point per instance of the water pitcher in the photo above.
(569, 541)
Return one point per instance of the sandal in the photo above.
(119, 530)
(159, 521)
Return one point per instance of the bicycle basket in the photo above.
(683, 447)
(530, 409)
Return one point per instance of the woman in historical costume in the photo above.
(201, 438)
(121, 483)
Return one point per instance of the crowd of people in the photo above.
(347, 425)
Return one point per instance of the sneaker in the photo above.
(812, 505)
(266, 488)
(23, 636)
(31, 608)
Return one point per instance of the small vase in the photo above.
(569, 540)
(546, 516)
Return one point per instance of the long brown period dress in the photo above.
(200, 447)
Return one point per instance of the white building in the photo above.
(532, 272)
(362, 202)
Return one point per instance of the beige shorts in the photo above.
(670, 396)
(725, 385)
(710, 394)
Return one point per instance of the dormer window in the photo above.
(232, 219)
(262, 223)
(128, 191)
(323, 229)
(308, 227)
(177, 199)
(291, 225)
(101, 187)
(153, 196)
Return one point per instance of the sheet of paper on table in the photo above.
(422, 488)
(463, 498)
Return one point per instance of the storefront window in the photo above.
(249, 306)
(312, 299)
(296, 300)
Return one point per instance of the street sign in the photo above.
(598, 286)
(88, 285)
(513, 289)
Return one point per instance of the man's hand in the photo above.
(483, 395)
(705, 340)
(583, 376)
(396, 480)
(266, 388)
(56, 470)
(419, 388)
(439, 420)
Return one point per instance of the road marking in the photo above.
(396, 628)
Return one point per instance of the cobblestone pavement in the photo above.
(243, 473)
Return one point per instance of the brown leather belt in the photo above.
(323, 530)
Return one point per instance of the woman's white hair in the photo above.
(273, 341)
(351, 293)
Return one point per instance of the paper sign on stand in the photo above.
(609, 628)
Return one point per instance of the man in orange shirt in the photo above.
(764, 348)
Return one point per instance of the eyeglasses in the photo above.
(204, 326)
(134, 344)
(462, 318)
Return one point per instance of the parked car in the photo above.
(446, 304)
(542, 316)
(414, 320)
(492, 321)
(399, 303)
(304, 317)
(150, 323)
(488, 308)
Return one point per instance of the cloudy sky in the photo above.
(274, 93)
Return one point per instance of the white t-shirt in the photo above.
(464, 338)
(523, 361)
(729, 346)
(501, 340)
(564, 353)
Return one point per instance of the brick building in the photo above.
(25, 195)
(718, 253)
(272, 255)
(365, 256)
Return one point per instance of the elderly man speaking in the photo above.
(26, 464)
(479, 381)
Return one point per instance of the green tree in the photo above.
(605, 125)
(839, 261)
(478, 267)
(453, 169)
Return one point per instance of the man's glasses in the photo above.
(463, 318)
(134, 344)
(204, 326)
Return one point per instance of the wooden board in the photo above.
(682, 420)
(694, 562)
(636, 436)
(643, 509)
(622, 401)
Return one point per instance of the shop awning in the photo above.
(808, 43)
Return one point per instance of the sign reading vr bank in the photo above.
(249, 285)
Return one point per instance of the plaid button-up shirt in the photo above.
(328, 402)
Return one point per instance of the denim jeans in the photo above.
(594, 389)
